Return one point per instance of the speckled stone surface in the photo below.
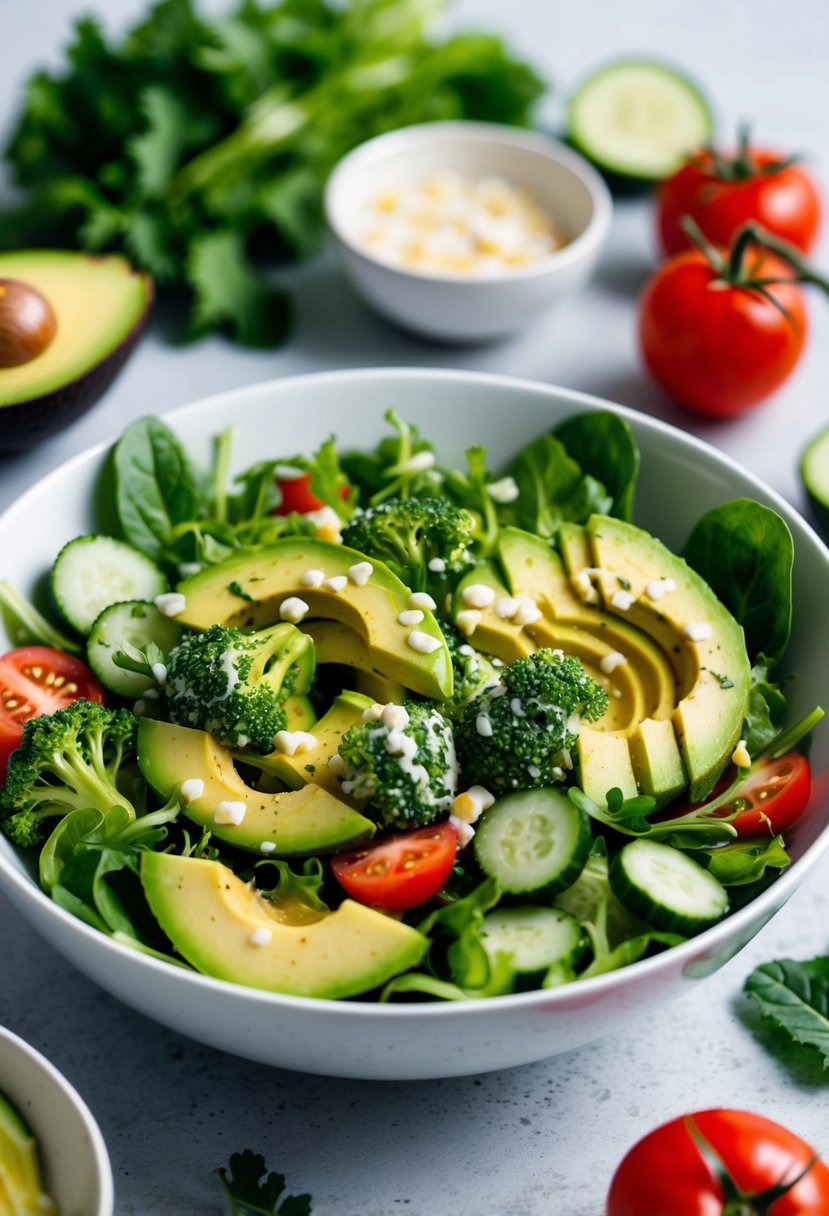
(535, 1141)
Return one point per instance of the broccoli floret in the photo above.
(232, 684)
(516, 734)
(401, 765)
(473, 671)
(423, 540)
(66, 760)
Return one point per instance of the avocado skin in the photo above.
(29, 422)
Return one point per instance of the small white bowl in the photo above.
(76, 1169)
(472, 307)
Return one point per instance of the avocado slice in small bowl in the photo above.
(68, 323)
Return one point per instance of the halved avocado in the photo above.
(306, 820)
(226, 929)
(99, 306)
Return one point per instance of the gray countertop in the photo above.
(540, 1139)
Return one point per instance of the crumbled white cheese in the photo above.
(740, 755)
(622, 600)
(171, 603)
(471, 803)
(360, 573)
(437, 565)
(483, 726)
(373, 712)
(186, 569)
(294, 742)
(397, 743)
(395, 717)
(659, 587)
(293, 609)
(478, 595)
(422, 642)
(610, 661)
(422, 599)
(583, 582)
(336, 584)
(260, 937)
(327, 524)
(313, 578)
(534, 771)
(528, 612)
(336, 765)
(517, 707)
(191, 789)
(463, 830)
(230, 812)
(468, 621)
(267, 846)
(507, 607)
(698, 631)
(409, 617)
(503, 491)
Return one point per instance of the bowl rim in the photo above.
(100, 1153)
(731, 928)
(581, 246)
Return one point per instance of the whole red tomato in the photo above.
(722, 194)
(740, 1164)
(718, 342)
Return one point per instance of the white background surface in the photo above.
(536, 1140)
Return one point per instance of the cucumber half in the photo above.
(639, 119)
(537, 840)
(666, 888)
(535, 939)
(814, 473)
(135, 622)
(92, 572)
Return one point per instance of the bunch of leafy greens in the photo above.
(195, 144)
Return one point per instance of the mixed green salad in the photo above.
(363, 724)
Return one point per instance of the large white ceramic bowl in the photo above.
(681, 478)
(74, 1158)
(458, 308)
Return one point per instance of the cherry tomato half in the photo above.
(37, 680)
(667, 1173)
(786, 201)
(715, 348)
(775, 793)
(401, 871)
(297, 496)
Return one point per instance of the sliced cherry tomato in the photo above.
(671, 1172)
(37, 680)
(401, 871)
(723, 193)
(774, 794)
(719, 347)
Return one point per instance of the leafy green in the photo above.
(605, 448)
(25, 623)
(252, 1191)
(199, 145)
(155, 486)
(697, 829)
(766, 708)
(745, 552)
(745, 861)
(552, 489)
(795, 995)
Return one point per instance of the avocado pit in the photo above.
(27, 323)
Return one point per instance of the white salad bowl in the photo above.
(74, 1159)
(681, 478)
(480, 307)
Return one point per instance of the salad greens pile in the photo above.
(199, 145)
(588, 883)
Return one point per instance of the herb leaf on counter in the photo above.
(253, 1191)
(795, 995)
(197, 184)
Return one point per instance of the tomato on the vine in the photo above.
(37, 680)
(720, 1163)
(722, 193)
(400, 871)
(720, 332)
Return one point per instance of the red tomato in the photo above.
(37, 680)
(785, 201)
(401, 871)
(718, 348)
(773, 795)
(666, 1173)
(297, 496)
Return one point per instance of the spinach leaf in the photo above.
(552, 489)
(766, 708)
(605, 448)
(744, 861)
(745, 551)
(795, 995)
(155, 486)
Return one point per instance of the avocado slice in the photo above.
(99, 305)
(706, 643)
(306, 820)
(415, 655)
(337, 643)
(215, 920)
(298, 770)
(21, 1187)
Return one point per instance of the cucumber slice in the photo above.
(814, 473)
(639, 119)
(666, 888)
(534, 938)
(533, 841)
(92, 572)
(136, 622)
